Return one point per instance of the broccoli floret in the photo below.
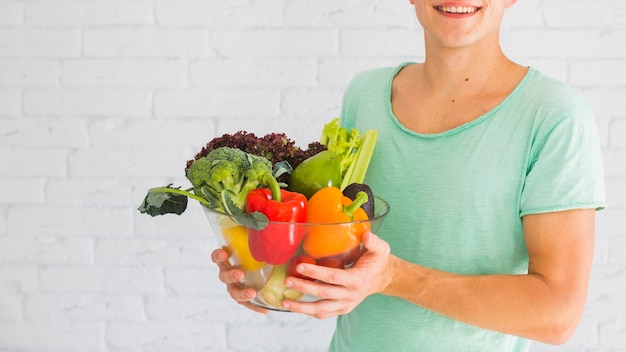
(227, 170)
(259, 166)
(221, 169)
(253, 178)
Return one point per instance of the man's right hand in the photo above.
(232, 278)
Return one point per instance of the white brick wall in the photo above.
(101, 99)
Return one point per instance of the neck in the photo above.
(452, 70)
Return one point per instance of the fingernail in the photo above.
(289, 283)
(285, 305)
(239, 275)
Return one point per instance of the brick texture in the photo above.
(102, 99)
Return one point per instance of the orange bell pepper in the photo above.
(342, 223)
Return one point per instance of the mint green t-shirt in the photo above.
(457, 199)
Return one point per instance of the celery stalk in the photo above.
(293, 294)
(275, 290)
(357, 170)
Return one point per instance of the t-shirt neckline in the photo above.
(457, 129)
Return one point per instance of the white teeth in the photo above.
(457, 9)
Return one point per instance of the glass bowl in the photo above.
(308, 246)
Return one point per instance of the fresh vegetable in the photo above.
(358, 168)
(342, 141)
(276, 147)
(321, 170)
(329, 206)
(275, 290)
(354, 148)
(276, 243)
(354, 188)
(236, 238)
(220, 180)
(229, 171)
(241, 175)
(167, 200)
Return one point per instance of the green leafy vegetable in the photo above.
(341, 141)
(358, 168)
(166, 200)
(255, 220)
(353, 147)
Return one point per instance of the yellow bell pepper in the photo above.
(237, 240)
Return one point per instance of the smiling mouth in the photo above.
(458, 9)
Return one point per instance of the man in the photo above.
(493, 172)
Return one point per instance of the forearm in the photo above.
(522, 305)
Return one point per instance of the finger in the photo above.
(243, 297)
(231, 275)
(321, 309)
(375, 245)
(369, 240)
(241, 294)
(328, 275)
(219, 256)
(372, 242)
(317, 289)
(254, 307)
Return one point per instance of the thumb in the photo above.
(375, 244)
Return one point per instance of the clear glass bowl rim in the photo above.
(378, 214)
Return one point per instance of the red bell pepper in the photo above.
(279, 240)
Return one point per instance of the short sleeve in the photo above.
(566, 168)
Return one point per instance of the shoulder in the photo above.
(375, 74)
(370, 86)
(368, 94)
(375, 78)
(547, 103)
(553, 96)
